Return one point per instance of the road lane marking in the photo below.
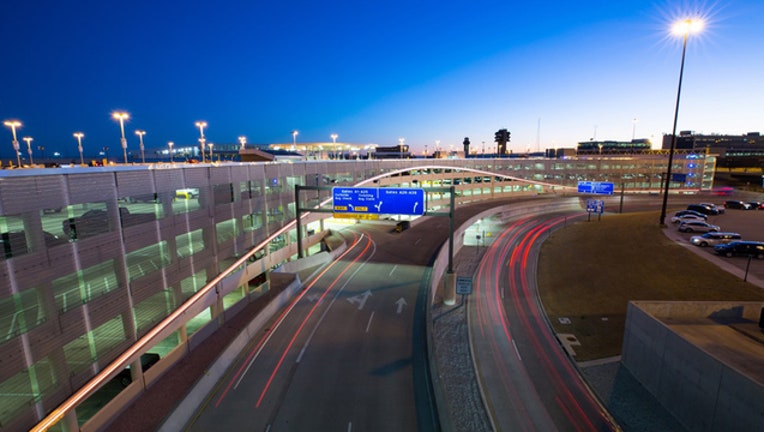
(393, 270)
(516, 350)
(336, 295)
(369, 323)
(359, 299)
(400, 303)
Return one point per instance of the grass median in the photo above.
(589, 271)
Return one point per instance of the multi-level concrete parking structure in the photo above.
(94, 258)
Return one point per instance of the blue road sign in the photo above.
(355, 200)
(592, 187)
(595, 206)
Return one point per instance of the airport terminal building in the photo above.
(94, 258)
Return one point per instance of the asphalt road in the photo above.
(528, 381)
(346, 356)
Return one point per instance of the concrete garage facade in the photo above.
(702, 361)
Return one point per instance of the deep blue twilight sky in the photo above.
(553, 73)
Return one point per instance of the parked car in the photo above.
(741, 248)
(705, 209)
(757, 205)
(147, 360)
(718, 208)
(691, 212)
(96, 221)
(714, 238)
(15, 243)
(687, 217)
(740, 205)
(697, 226)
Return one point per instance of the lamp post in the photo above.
(29, 148)
(210, 145)
(140, 134)
(79, 136)
(682, 28)
(170, 144)
(400, 145)
(634, 128)
(122, 116)
(334, 137)
(242, 142)
(294, 140)
(13, 124)
(201, 125)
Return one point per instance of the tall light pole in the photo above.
(242, 142)
(201, 125)
(210, 145)
(170, 144)
(294, 140)
(633, 128)
(400, 145)
(334, 137)
(122, 116)
(13, 124)
(29, 148)
(79, 136)
(682, 28)
(140, 134)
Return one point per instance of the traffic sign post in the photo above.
(598, 188)
(360, 200)
(595, 206)
(464, 285)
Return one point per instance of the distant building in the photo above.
(610, 147)
(733, 150)
(716, 144)
(400, 151)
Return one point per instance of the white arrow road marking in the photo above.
(313, 297)
(360, 299)
(401, 302)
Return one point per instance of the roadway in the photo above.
(528, 381)
(346, 355)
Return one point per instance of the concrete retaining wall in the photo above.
(700, 391)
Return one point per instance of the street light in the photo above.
(294, 139)
(170, 144)
(634, 122)
(79, 136)
(140, 134)
(681, 28)
(243, 141)
(122, 116)
(210, 145)
(334, 138)
(29, 148)
(13, 124)
(400, 145)
(201, 125)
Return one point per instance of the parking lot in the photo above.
(748, 223)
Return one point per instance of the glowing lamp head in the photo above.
(119, 115)
(687, 27)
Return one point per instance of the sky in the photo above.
(553, 73)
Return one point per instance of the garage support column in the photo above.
(449, 288)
